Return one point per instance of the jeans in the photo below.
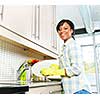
(82, 92)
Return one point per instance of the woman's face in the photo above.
(65, 32)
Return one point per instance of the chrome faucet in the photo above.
(21, 69)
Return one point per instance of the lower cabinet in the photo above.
(50, 89)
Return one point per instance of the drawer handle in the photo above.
(51, 92)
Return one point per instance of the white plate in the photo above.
(36, 68)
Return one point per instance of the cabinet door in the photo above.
(18, 19)
(54, 43)
(47, 28)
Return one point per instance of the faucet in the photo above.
(22, 69)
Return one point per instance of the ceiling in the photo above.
(95, 12)
(85, 17)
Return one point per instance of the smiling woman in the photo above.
(65, 30)
(74, 81)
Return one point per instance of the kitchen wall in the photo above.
(11, 57)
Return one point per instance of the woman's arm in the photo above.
(74, 68)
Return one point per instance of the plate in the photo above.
(36, 68)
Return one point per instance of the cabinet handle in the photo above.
(54, 37)
(33, 21)
(37, 21)
(2, 10)
(34, 12)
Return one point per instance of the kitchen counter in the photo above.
(8, 87)
(52, 87)
(42, 84)
(12, 88)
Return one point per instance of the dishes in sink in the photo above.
(36, 68)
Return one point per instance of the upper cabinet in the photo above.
(18, 19)
(32, 22)
(46, 27)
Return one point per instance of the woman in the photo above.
(74, 81)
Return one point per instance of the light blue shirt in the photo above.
(71, 60)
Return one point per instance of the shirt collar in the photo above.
(68, 41)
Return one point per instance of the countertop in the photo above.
(42, 84)
(7, 87)
(13, 87)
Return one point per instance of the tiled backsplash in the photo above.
(11, 57)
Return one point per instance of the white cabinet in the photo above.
(47, 22)
(33, 23)
(44, 33)
(17, 19)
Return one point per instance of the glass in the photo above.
(86, 43)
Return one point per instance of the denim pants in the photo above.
(82, 92)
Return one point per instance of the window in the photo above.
(86, 43)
